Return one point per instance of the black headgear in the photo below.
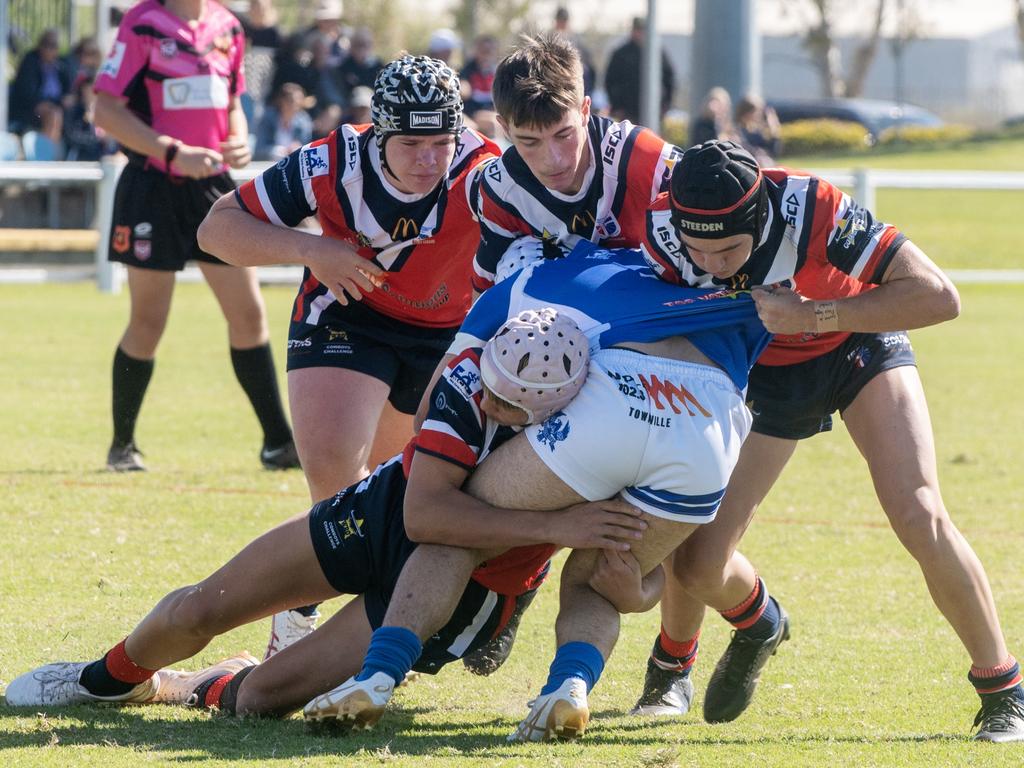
(718, 191)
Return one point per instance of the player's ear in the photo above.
(585, 108)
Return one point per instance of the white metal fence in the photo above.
(109, 277)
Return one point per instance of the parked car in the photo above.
(874, 114)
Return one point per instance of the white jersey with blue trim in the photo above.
(615, 298)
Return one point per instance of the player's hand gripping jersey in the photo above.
(629, 167)
(178, 79)
(817, 238)
(426, 244)
(614, 297)
(458, 431)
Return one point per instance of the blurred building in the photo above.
(975, 80)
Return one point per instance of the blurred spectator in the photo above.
(485, 121)
(714, 122)
(327, 87)
(82, 140)
(260, 25)
(359, 101)
(443, 44)
(295, 64)
(40, 85)
(84, 60)
(478, 75)
(562, 27)
(758, 128)
(623, 77)
(327, 22)
(285, 125)
(361, 66)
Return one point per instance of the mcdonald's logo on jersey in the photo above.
(672, 393)
(582, 223)
(404, 229)
(740, 282)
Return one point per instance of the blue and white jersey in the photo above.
(615, 298)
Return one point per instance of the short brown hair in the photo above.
(539, 81)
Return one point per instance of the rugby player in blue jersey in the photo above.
(659, 421)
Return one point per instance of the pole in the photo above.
(726, 50)
(109, 275)
(5, 29)
(650, 77)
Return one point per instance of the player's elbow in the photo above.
(950, 301)
(211, 230)
(419, 525)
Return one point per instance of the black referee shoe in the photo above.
(282, 457)
(737, 673)
(125, 458)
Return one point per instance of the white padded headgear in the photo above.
(537, 361)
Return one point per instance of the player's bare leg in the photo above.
(889, 422)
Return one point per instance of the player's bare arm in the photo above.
(914, 293)
(232, 234)
(438, 511)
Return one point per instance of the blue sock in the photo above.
(580, 660)
(393, 651)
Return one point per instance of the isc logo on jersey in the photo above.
(314, 162)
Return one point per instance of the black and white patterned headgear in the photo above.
(416, 95)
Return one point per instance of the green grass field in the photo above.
(872, 676)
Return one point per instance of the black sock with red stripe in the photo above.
(113, 675)
(675, 656)
(998, 680)
(758, 616)
(220, 692)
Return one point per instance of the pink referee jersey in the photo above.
(177, 77)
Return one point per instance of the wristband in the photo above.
(826, 317)
(171, 153)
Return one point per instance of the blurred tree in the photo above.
(819, 19)
(1019, 8)
(497, 17)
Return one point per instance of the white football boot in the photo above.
(355, 704)
(178, 687)
(288, 627)
(56, 685)
(561, 714)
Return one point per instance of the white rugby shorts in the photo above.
(663, 433)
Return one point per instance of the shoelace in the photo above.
(998, 715)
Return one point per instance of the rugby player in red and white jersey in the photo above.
(569, 175)
(169, 93)
(356, 543)
(847, 287)
(386, 285)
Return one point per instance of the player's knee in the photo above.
(699, 571)
(921, 521)
(193, 611)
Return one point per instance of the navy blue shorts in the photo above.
(797, 401)
(358, 338)
(156, 218)
(360, 541)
